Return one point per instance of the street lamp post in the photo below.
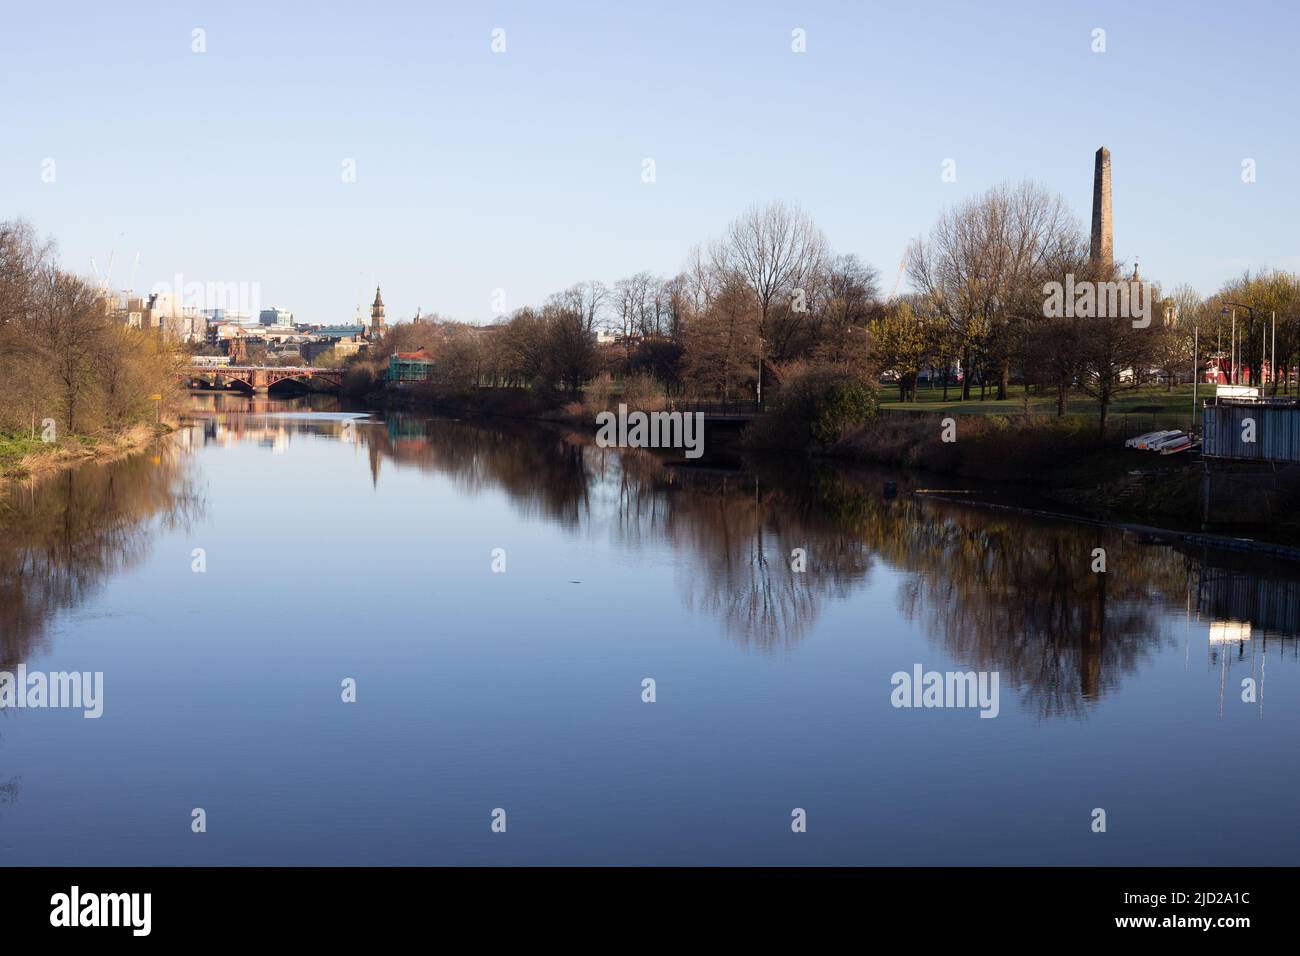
(1196, 371)
(1272, 362)
(1232, 348)
(1251, 310)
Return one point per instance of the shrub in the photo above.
(835, 404)
(360, 379)
(815, 406)
(596, 398)
(642, 393)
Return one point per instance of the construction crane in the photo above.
(104, 280)
(902, 264)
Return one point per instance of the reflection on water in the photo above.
(62, 539)
(995, 590)
(905, 578)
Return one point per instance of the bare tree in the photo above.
(848, 297)
(587, 299)
(777, 250)
(635, 308)
(980, 263)
(69, 320)
(22, 257)
(700, 278)
(1113, 355)
(25, 388)
(568, 348)
(1049, 349)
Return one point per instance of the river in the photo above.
(498, 594)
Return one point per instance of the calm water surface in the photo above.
(345, 545)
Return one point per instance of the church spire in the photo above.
(377, 313)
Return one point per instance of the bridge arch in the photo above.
(259, 378)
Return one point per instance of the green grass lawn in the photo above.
(1147, 402)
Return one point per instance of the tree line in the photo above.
(981, 279)
(766, 308)
(769, 303)
(62, 357)
(760, 305)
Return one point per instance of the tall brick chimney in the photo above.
(1102, 250)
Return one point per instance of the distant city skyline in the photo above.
(522, 170)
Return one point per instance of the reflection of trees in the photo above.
(998, 591)
(742, 542)
(741, 531)
(9, 791)
(993, 589)
(1001, 593)
(62, 538)
(544, 472)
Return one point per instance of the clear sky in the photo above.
(522, 170)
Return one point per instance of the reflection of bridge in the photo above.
(259, 378)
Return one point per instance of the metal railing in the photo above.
(736, 408)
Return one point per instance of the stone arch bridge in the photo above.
(259, 378)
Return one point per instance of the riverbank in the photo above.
(1063, 463)
(1038, 450)
(25, 459)
(491, 402)
(1066, 465)
(1147, 533)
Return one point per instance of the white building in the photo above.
(177, 321)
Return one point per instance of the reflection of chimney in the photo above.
(1091, 647)
(1102, 250)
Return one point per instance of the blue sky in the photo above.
(521, 171)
